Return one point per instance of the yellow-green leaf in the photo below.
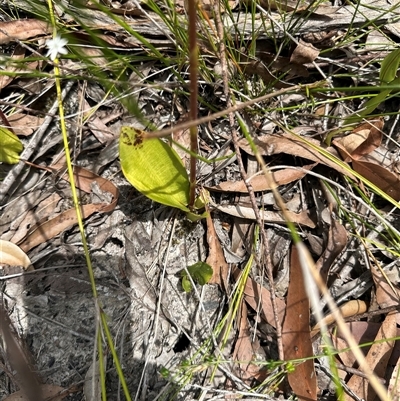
(389, 67)
(154, 169)
(10, 146)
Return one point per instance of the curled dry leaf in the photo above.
(84, 180)
(296, 337)
(363, 140)
(361, 148)
(43, 210)
(306, 148)
(260, 183)
(351, 308)
(304, 53)
(22, 29)
(302, 218)
(13, 255)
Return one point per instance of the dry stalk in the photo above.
(193, 69)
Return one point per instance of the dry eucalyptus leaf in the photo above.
(24, 124)
(363, 140)
(260, 183)
(84, 179)
(308, 148)
(393, 387)
(18, 54)
(49, 391)
(244, 212)
(216, 257)
(296, 337)
(13, 255)
(304, 53)
(246, 348)
(377, 359)
(384, 179)
(22, 29)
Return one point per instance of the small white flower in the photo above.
(56, 46)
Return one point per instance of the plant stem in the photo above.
(193, 70)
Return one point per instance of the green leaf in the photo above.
(200, 272)
(389, 67)
(368, 108)
(154, 169)
(10, 146)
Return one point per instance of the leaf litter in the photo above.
(45, 231)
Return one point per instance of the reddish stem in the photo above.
(193, 71)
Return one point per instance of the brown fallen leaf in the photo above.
(97, 126)
(377, 359)
(304, 53)
(43, 210)
(49, 391)
(272, 144)
(260, 183)
(380, 176)
(393, 387)
(19, 358)
(296, 337)
(182, 137)
(363, 140)
(364, 333)
(24, 124)
(259, 298)
(216, 258)
(18, 54)
(245, 349)
(84, 180)
(22, 29)
(360, 148)
(379, 354)
(302, 218)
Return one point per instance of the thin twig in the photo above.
(203, 120)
